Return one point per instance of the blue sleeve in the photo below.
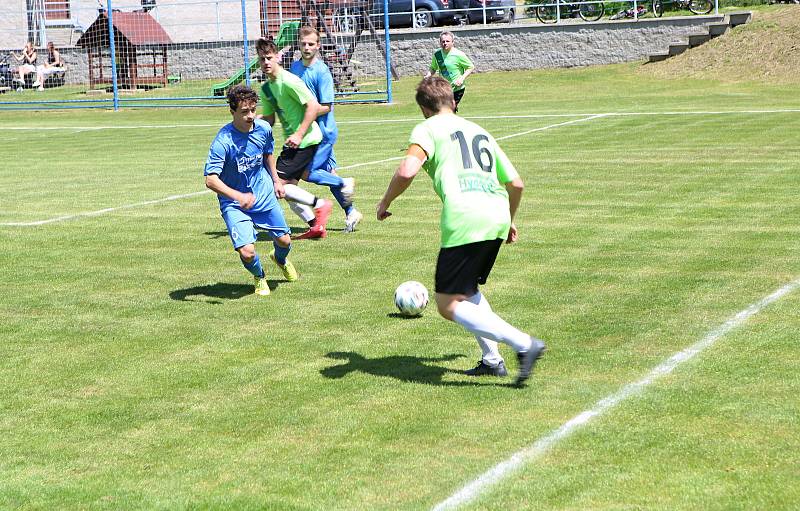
(269, 140)
(325, 91)
(216, 158)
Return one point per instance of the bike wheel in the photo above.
(700, 6)
(591, 12)
(658, 8)
(546, 13)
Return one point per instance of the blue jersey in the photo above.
(238, 159)
(318, 79)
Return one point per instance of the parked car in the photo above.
(496, 10)
(426, 13)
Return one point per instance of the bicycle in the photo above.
(640, 12)
(587, 12)
(696, 6)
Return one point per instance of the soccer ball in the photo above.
(411, 298)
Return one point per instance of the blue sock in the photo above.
(254, 266)
(346, 206)
(281, 253)
(324, 178)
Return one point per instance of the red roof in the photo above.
(138, 27)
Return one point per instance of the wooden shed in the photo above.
(140, 44)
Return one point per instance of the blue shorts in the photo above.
(324, 158)
(242, 225)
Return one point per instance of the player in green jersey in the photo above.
(452, 64)
(286, 96)
(480, 191)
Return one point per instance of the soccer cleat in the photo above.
(348, 188)
(352, 220)
(321, 214)
(36, 83)
(313, 233)
(527, 359)
(483, 369)
(262, 287)
(288, 269)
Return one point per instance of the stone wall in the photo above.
(492, 48)
(523, 46)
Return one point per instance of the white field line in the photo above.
(103, 211)
(503, 470)
(394, 158)
(417, 119)
(188, 195)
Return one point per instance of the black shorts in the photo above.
(460, 269)
(457, 95)
(293, 162)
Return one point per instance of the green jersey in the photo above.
(451, 65)
(287, 96)
(469, 172)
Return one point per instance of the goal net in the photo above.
(188, 52)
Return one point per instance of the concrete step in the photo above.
(677, 48)
(738, 18)
(717, 29)
(658, 57)
(698, 39)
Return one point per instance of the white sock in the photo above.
(296, 194)
(490, 354)
(301, 210)
(485, 323)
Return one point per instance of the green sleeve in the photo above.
(505, 169)
(300, 91)
(464, 62)
(434, 62)
(423, 138)
(266, 106)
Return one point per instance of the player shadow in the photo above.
(404, 368)
(217, 293)
(264, 236)
(300, 229)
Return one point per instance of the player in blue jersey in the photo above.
(317, 77)
(248, 193)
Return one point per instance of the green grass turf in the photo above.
(139, 372)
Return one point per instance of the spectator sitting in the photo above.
(54, 64)
(27, 61)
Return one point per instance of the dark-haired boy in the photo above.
(480, 192)
(248, 193)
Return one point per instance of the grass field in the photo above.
(139, 372)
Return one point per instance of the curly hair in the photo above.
(239, 93)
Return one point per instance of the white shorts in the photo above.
(47, 71)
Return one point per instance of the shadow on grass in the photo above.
(216, 293)
(397, 315)
(264, 236)
(404, 368)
